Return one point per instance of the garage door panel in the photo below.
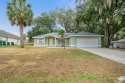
(87, 42)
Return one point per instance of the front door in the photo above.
(50, 42)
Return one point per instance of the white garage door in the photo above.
(87, 42)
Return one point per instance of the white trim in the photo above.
(86, 35)
(99, 45)
(44, 42)
(39, 45)
(72, 36)
(55, 42)
(10, 37)
(72, 45)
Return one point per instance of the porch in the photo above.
(54, 42)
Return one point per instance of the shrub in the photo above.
(0, 42)
(4, 42)
(12, 43)
(8, 43)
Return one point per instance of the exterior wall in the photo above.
(68, 41)
(16, 41)
(59, 43)
(44, 41)
(38, 42)
(48, 42)
(3, 38)
(99, 42)
(72, 41)
(56, 42)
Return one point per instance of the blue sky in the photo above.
(38, 6)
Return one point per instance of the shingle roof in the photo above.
(85, 33)
(119, 41)
(55, 34)
(7, 34)
(70, 34)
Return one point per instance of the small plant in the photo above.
(12, 43)
(62, 32)
(25, 79)
(8, 43)
(4, 43)
(91, 77)
(0, 42)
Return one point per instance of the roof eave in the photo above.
(86, 35)
(10, 37)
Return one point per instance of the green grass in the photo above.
(80, 53)
(29, 78)
(10, 46)
(54, 65)
(16, 46)
(90, 77)
(33, 79)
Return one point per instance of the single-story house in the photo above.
(81, 39)
(119, 43)
(8, 37)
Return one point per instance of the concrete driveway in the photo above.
(115, 55)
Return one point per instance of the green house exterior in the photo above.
(81, 39)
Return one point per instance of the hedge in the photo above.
(1, 42)
(4, 43)
(8, 43)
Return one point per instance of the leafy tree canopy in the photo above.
(19, 13)
(51, 21)
(105, 19)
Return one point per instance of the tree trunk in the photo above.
(63, 41)
(106, 37)
(21, 36)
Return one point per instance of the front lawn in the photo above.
(52, 65)
(10, 46)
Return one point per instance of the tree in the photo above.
(19, 13)
(86, 18)
(66, 18)
(106, 3)
(42, 25)
(62, 32)
(107, 20)
(121, 34)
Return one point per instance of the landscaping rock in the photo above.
(120, 79)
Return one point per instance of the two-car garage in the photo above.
(87, 42)
(85, 39)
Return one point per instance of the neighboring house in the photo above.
(119, 43)
(81, 39)
(8, 37)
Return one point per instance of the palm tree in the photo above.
(61, 32)
(19, 13)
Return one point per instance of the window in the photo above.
(40, 41)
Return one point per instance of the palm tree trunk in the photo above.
(62, 40)
(21, 36)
